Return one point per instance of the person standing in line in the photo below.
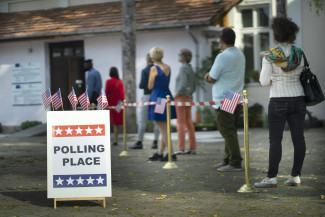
(227, 73)
(94, 81)
(159, 78)
(142, 121)
(184, 88)
(114, 90)
(281, 68)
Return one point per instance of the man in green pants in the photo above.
(227, 73)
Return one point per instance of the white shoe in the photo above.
(179, 152)
(267, 183)
(295, 181)
(219, 165)
(229, 168)
(190, 152)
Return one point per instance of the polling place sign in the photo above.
(78, 154)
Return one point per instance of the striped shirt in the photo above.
(283, 84)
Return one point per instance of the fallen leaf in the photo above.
(130, 173)
(161, 197)
(75, 207)
(192, 210)
(143, 194)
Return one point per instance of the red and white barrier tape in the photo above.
(139, 104)
(174, 104)
(181, 103)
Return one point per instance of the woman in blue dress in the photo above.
(159, 78)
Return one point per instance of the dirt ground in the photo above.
(195, 188)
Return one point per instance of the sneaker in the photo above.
(219, 165)
(156, 157)
(115, 144)
(154, 144)
(137, 145)
(295, 181)
(179, 152)
(229, 168)
(174, 158)
(190, 152)
(270, 183)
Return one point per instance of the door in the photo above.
(67, 71)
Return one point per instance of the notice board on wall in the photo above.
(78, 154)
(26, 84)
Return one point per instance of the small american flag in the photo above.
(119, 106)
(73, 99)
(160, 105)
(102, 100)
(230, 102)
(84, 101)
(57, 100)
(47, 98)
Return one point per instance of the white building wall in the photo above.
(106, 51)
(19, 52)
(294, 6)
(313, 31)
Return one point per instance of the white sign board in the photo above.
(26, 84)
(78, 154)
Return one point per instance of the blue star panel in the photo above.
(79, 181)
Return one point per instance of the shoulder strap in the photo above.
(113, 89)
(305, 60)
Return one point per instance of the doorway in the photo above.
(66, 68)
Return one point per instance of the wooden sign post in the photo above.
(78, 155)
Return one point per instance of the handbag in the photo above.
(312, 89)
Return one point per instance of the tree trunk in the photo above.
(281, 9)
(128, 61)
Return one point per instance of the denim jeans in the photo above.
(293, 110)
(142, 120)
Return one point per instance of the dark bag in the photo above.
(312, 89)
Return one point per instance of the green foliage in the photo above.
(318, 5)
(207, 115)
(28, 124)
(206, 66)
(254, 74)
(255, 114)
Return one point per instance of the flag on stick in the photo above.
(160, 105)
(84, 101)
(57, 100)
(73, 99)
(119, 106)
(47, 100)
(102, 100)
(230, 102)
